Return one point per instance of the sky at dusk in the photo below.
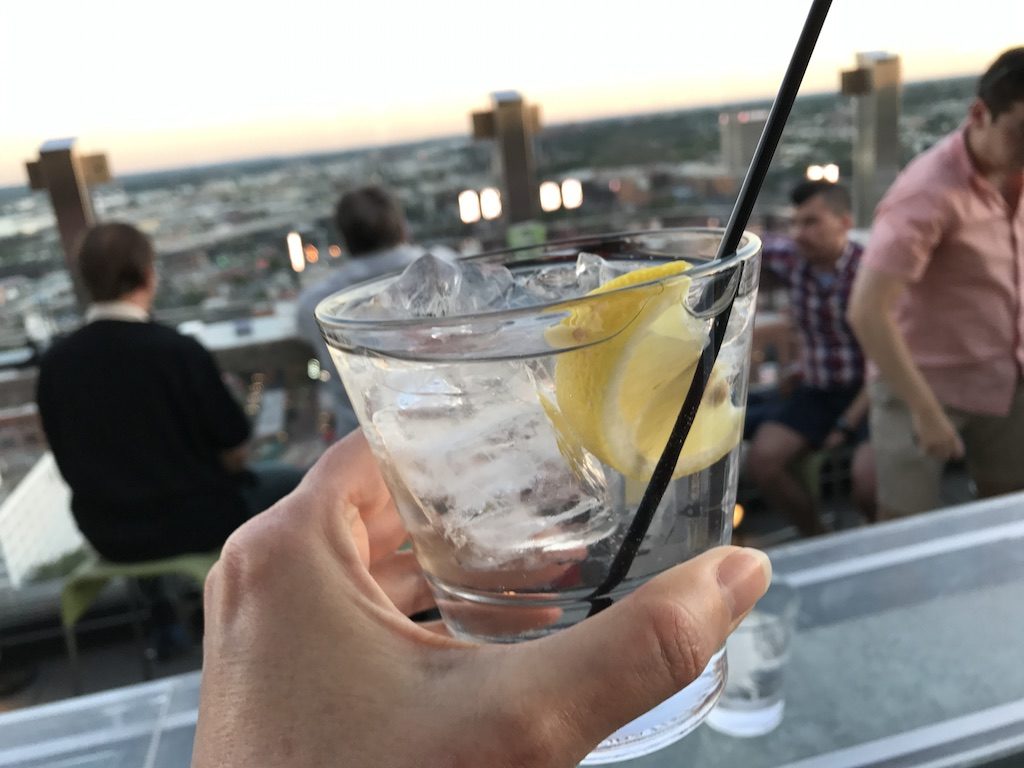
(159, 85)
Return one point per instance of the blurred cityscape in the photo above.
(221, 231)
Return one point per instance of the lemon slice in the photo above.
(620, 396)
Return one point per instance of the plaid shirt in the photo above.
(830, 355)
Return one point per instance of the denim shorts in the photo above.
(808, 411)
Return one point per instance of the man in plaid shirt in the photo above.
(829, 404)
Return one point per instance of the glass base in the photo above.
(745, 723)
(666, 723)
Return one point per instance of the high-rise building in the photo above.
(738, 134)
(512, 122)
(875, 88)
(66, 174)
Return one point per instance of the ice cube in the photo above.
(424, 289)
(559, 281)
(484, 286)
(434, 286)
(493, 482)
(590, 271)
(567, 281)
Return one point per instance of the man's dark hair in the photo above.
(369, 219)
(113, 260)
(836, 196)
(1002, 85)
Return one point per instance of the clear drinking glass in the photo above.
(518, 441)
(753, 703)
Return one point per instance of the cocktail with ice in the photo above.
(518, 402)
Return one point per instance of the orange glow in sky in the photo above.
(213, 81)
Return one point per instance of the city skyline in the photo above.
(235, 85)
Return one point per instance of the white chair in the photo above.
(36, 526)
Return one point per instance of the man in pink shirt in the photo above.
(938, 306)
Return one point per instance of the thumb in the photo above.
(608, 670)
(958, 449)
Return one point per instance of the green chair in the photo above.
(84, 585)
(825, 474)
(809, 471)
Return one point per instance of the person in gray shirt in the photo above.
(376, 237)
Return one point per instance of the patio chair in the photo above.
(84, 585)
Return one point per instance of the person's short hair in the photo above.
(369, 219)
(836, 196)
(1002, 85)
(114, 259)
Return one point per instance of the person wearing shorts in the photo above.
(828, 406)
(938, 306)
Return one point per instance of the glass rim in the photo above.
(750, 245)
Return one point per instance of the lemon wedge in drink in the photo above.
(620, 396)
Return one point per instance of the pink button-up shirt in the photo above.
(952, 236)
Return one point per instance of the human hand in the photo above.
(834, 440)
(309, 660)
(937, 436)
(843, 433)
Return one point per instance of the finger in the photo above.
(344, 492)
(386, 532)
(402, 580)
(604, 672)
(348, 469)
(437, 627)
(958, 448)
(372, 499)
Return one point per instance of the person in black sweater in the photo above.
(143, 429)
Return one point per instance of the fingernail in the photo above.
(745, 576)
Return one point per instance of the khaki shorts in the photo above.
(909, 481)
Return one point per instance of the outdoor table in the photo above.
(909, 652)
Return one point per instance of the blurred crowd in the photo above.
(912, 347)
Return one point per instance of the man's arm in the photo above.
(856, 410)
(871, 315)
(848, 423)
(225, 423)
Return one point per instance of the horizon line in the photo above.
(443, 137)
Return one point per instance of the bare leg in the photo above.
(775, 448)
(864, 481)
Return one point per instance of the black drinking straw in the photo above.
(752, 182)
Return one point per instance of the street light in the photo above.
(550, 196)
(469, 206)
(829, 173)
(295, 254)
(490, 203)
(572, 193)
